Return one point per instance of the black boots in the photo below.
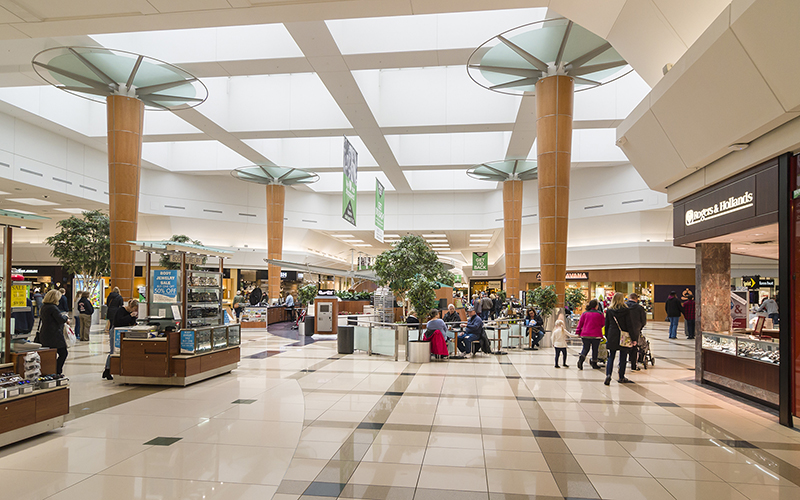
(594, 364)
(107, 374)
(581, 359)
(608, 380)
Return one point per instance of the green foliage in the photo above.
(545, 298)
(306, 294)
(82, 245)
(411, 258)
(178, 238)
(422, 296)
(574, 297)
(501, 296)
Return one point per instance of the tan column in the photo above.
(512, 223)
(554, 96)
(276, 196)
(125, 119)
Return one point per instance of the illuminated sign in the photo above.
(581, 276)
(724, 207)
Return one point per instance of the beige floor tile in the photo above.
(246, 433)
(611, 466)
(701, 490)
(142, 488)
(395, 453)
(454, 457)
(402, 438)
(69, 454)
(515, 460)
(510, 443)
(743, 472)
(763, 492)
(386, 474)
(447, 478)
(677, 469)
(522, 482)
(18, 484)
(469, 422)
(596, 447)
(322, 450)
(455, 440)
(629, 488)
(713, 453)
(304, 469)
(655, 450)
(504, 423)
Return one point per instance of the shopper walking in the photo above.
(125, 316)
(590, 330)
(638, 320)
(673, 308)
(238, 304)
(486, 306)
(85, 309)
(617, 321)
(39, 299)
(51, 328)
(477, 304)
(63, 303)
(76, 313)
(689, 312)
(113, 303)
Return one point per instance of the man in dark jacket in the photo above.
(472, 331)
(689, 315)
(637, 321)
(674, 310)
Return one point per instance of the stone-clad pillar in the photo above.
(276, 196)
(713, 294)
(512, 223)
(554, 97)
(125, 120)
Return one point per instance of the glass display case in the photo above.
(744, 346)
(234, 335)
(220, 337)
(204, 298)
(255, 314)
(202, 340)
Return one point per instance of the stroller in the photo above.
(644, 355)
(602, 352)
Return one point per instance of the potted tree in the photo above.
(305, 295)
(82, 246)
(545, 298)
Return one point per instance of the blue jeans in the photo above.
(623, 361)
(774, 318)
(689, 324)
(465, 342)
(673, 326)
(536, 336)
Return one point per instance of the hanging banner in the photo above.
(349, 183)
(165, 286)
(379, 204)
(480, 263)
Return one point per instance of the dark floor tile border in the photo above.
(88, 407)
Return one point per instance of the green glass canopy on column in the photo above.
(276, 179)
(127, 83)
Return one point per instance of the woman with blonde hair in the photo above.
(617, 321)
(51, 328)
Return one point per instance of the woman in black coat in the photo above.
(125, 316)
(113, 303)
(51, 333)
(617, 318)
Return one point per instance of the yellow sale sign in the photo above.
(19, 295)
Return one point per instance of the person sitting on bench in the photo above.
(472, 332)
(535, 326)
(435, 333)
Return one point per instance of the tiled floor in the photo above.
(299, 421)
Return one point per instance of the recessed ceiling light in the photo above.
(31, 201)
(72, 210)
(480, 239)
(343, 236)
(739, 146)
(438, 241)
(391, 236)
(434, 236)
(480, 235)
(477, 245)
(362, 245)
(353, 241)
(3, 193)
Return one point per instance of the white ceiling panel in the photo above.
(272, 102)
(192, 156)
(81, 115)
(311, 152)
(426, 32)
(613, 101)
(448, 149)
(265, 41)
(331, 182)
(448, 180)
(432, 96)
(596, 145)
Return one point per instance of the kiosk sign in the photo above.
(165, 286)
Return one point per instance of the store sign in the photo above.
(23, 271)
(738, 311)
(326, 293)
(349, 183)
(766, 282)
(165, 286)
(755, 282)
(291, 276)
(194, 260)
(724, 207)
(480, 263)
(569, 276)
(380, 202)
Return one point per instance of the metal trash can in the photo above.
(309, 329)
(345, 339)
(419, 351)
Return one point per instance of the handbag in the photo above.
(624, 337)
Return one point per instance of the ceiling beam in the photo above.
(319, 47)
(524, 131)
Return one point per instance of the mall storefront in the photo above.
(747, 214)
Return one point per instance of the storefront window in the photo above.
(3, 278)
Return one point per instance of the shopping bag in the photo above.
(69, 336)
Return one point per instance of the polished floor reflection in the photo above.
(299, 421)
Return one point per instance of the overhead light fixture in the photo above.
(31, 201)
(72, 210)
(362, 245)
(353, 241)
(391, 236)
(477, 245)
(480, 235)
(739, 146)
(3, 193)
(426, 236)
(438, 241)
(343, 236)
(480, 239)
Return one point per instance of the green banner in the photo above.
(349, 186)
(480, 263)
(380, 200)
